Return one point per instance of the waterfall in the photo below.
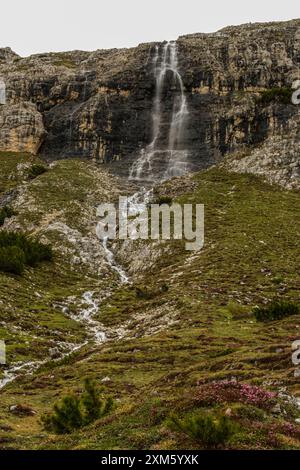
(171, 157)
(2, 92)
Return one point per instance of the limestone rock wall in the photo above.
(277, 159)
(99, 104)
(21, 128)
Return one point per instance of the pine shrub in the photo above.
(276, 310)
(75, 412)
(17, 250)
(94, 407)
(204, 428)
(5, 212)
(12, 259)
(66, 417)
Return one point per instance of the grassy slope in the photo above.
(59, 195)
(250, 255)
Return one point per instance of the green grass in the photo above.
(200, 329)
(13, 169)
(31, 304)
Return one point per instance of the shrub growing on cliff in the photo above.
(75, 412)
(5, 212)
(276, 310)
(282, 95)
(204, 428)
(18, 250)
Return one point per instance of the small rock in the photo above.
(22, 410)
(297, 373)
(54, 353)
(106, 379)
(276, 409)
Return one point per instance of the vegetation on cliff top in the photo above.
(277, 94)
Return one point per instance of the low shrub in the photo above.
(282, 95)
(163, 199)
(76, 412)
(12, 259)
(66, 417)
(18, 250)
(204, 428)
(5, 212)
(237, 310)
(143, 292)
(275, 310)
(36, 170)
(94, 407)
(230, 391)
(250, 412)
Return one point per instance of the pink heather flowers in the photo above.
(234, 391)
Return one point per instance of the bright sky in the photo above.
(31, 26)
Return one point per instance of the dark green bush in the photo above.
(276, 310)
(5, 212)
(66, 417)
(35, 171)
(12, 259)
(282, 95)
(163, 199)
(18, 250)
(74, 413)
(204, 428)
(94, 407)
(143, 292)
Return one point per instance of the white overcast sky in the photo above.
(31, 26)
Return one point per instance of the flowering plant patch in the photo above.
(233, 391)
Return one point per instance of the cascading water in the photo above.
(112, 263)
(173, 156)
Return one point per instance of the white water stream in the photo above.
(165, 61)
(90, 307)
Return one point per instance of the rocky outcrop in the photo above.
(21, 128)
(7, 55)
(99, 104)
(277, 161)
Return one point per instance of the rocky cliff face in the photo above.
(99, 104)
